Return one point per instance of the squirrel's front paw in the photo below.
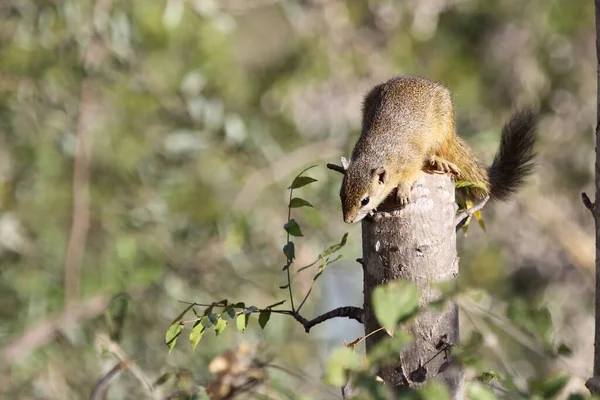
(403, 195)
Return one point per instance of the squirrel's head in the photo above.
(363, 189)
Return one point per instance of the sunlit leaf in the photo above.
(220, 326)
(293, 228)
(488, 376)
(335, 247)
(480, 220)
(172, 333)
(241, 322)
(196, 334)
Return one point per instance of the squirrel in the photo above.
(408, 126)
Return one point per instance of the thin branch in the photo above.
(103, 383)
(114, 348)
(337, 168)
(92, 59)
(587, 202)
(355, 313)
(467, 213)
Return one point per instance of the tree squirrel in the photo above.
(408, 125)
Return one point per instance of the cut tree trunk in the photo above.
(417, 244)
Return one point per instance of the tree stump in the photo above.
(418, 244)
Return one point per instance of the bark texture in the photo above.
(418, 244)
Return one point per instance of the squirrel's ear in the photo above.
(380, 174)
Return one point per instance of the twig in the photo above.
(355, 313)
(467, 213)
(114, 348)
(337, 168)
(103, 383)
(587, 202)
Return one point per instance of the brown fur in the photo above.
(408, 124)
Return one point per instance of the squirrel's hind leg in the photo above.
(441, 166)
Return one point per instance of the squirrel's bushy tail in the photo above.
(514, 160)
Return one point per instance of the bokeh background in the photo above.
(146, 147)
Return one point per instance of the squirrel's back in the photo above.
(408, 125)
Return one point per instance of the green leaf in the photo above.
(478, 391)
(480, 219)
(213, 318)
(250, 310)
(276, 304)
(205, 321)
(488, 376)
(341, 360)
(228, 314)
(550, 387)
(297, 202)
(116, 314)
(263, 318)
(220, 326)
(293, 228)
(300, 181)
(394, 302)
(335, 247)
(241, 305)
(172, 333)
(196, 334)
(564, 350)
(290, 252)
(164, 378)
(325, 264)
(576, 396)
(241, 322)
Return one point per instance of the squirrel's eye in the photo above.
(364, 201)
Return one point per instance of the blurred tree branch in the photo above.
(92, 59)
(42, 333)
